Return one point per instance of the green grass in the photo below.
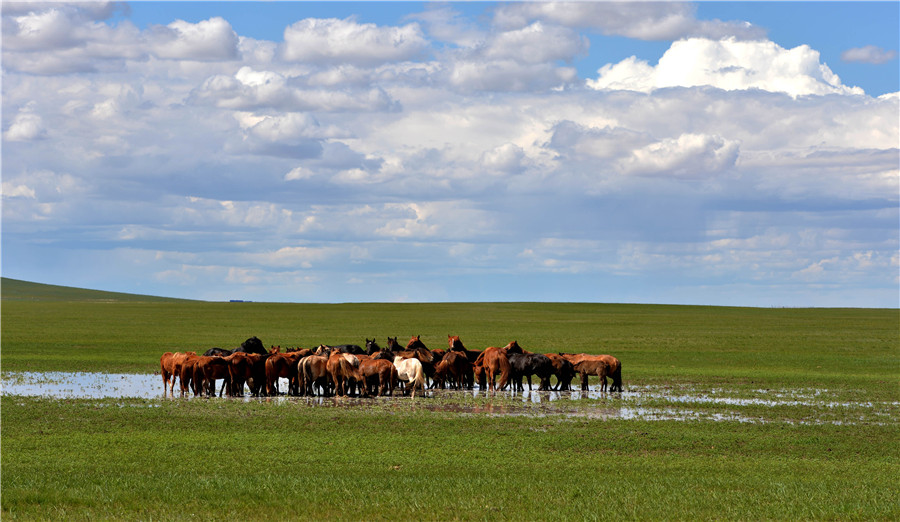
(387, 459)
(276, 460)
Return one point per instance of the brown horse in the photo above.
(186, 373)
(563, 370)
(206, 370)
(599, 365)
(493, 360)
(458, 369)
(241, 371)
(380, 376)
(342, 372)
(283, 365)
(172, 365)
(456, 345)
(313, 371)
(166, 368)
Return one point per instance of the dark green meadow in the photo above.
(454, 456)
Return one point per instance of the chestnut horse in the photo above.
(493, 361)
(167, 368)
(206, 370)
(313, 371)
(380, 376)
(456, 345)
(283, 365)
(342, 371)
(599, 365)
(186, 373)
(563, 370)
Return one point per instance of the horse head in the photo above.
(455, 343)
(513, 347)
(415, 342)
(392, 344)
(372, 347)
(253, 345)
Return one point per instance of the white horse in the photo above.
(410, 370)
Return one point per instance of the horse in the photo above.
(372, 347)
(166, 367)
(313, 371)
(218, 352)
(282, 365)
(599, 365)
(342, 371)
(455, 345)
(456, 369)
(186, 373)
(252, 345)
(493, 360)
(410, 371)
(379, 375)
(246, 368)
(206, 370)
(563, 370)
(528, 364)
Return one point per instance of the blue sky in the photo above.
(725, 153)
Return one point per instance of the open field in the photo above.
(790, 414)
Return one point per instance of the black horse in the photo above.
(528, 364)
(372, 347)
(251, 345)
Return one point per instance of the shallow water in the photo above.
(631, 404)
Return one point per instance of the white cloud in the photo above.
(689, 156)
(17, 191)
(346, 41)
(643, 20)
(26, 126)
(868, 54)
(727, 64)
(212, 39)
(249, 90)
(400, 161)
(536, 43)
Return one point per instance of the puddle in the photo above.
(637, 402)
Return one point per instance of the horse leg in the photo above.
(584, 381)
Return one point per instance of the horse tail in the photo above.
(505, 371)
(420, 379)
(617, 378)
(162, 369)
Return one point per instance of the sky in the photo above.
(713, 153)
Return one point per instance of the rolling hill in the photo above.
(17, 290)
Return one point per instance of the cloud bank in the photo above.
(444, 158)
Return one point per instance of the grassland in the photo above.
(386, 459)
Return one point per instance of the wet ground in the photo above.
(637, 402)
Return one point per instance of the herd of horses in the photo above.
(375, 371)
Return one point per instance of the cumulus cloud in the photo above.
(212, 39)
(249, 89)
(536, 43)
(727, 64)
(868, 54)
(345, 41)
(451, 145)
(689, 156)
(26, 126)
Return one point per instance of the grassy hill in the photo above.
(17, 290)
